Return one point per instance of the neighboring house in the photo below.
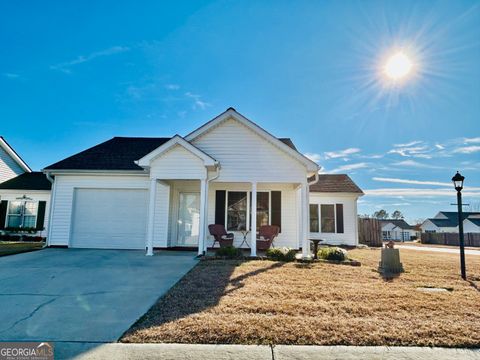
(447, 222)
(397, 230)
(11, 164)
(137, 193)
(24, 195)
(25, 202)
(333, 209)
(471, 225)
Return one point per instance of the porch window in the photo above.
(314, 225)
(327, 218)
(236, 210)
(239, 210)
(22, 214)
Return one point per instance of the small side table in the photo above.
(244, 241)
(315, 247)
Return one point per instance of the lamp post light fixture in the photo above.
(458, 184)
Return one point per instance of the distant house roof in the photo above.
(34, 180)
(118, 153)
(444, 222)
(476, 221)
(451, 218)
(13, 154)
(335, 183)
(402, 224)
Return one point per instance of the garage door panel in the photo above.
(109, 218)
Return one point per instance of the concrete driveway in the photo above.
(81, 294)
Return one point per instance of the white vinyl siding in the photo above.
(178, 163)
(9, 168)
(64, 189)
(246, 156)
(350, 235)
(109, 218)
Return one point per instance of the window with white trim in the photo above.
(238, 209)
(22, 214)
(326, 218)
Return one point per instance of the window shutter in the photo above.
(3, 213)
(41, 215)
(220, 197)
(339, 216)
(277, 209)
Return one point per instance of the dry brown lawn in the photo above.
(264, 302)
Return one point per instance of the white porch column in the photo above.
(304, 203)
(203, 202)
(253, 224)
(151, 215)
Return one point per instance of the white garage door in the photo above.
(109, 218)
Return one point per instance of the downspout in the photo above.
(206, 210)
(50, 210)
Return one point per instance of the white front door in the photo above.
(188, 222)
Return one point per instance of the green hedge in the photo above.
(333, 253)
(281, 254)
(229, 252)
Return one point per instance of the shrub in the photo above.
(333, 253)
(281, 254)
(229, 252)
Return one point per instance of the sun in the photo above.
(398, 66)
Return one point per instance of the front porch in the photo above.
(180, 211)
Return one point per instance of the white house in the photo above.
(471, 225)
(11, 164)
(25, 203)
(24, 194)
(397, 230)
(447, 222)
(137, 193)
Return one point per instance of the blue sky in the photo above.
(73, 74)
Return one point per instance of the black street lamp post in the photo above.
(458, 183)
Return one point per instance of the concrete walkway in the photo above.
(252, 352)
(82, 294)
(438, 249)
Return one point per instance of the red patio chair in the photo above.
(220, 235)
(266, 235)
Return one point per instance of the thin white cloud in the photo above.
(439, 146)
(349, 167)
(390, 192)
(471, 140)
(11, 75)
(197, 102)
(408, 181)
(65, 66)
(412, 151)
(413, 163)
(313, 156)
(467, 149)
(341, 153)
(408, 144)
(172, 86)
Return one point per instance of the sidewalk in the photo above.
(92, 351)
(437, 249)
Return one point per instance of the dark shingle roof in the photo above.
(402, 224)
(452, 218)
(289, 142)
(476, 221)
(444, 222)
(34, 180)
(335, 183)
(118, 153)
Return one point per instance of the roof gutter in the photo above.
(315, 180)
